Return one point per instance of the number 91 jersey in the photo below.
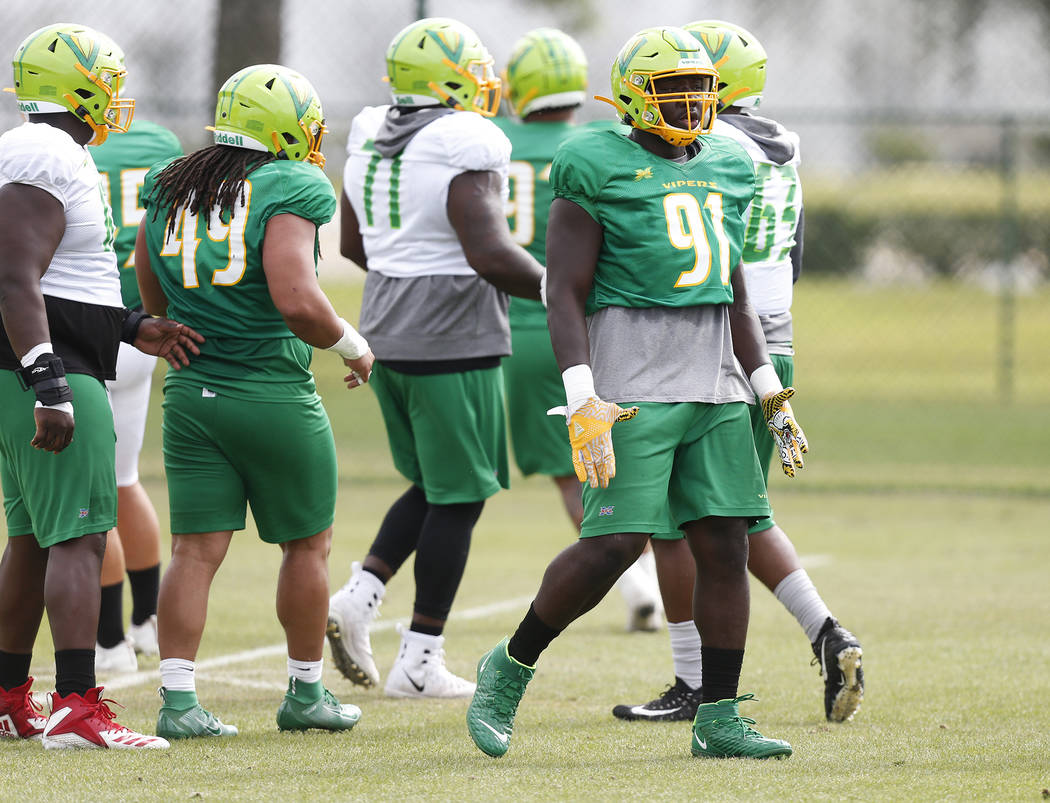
(673, 231)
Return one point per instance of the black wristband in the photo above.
(130, 328)
(47, 379)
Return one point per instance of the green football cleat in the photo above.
(189, 723)
(501, 684)
(325, 713)
(720, 732)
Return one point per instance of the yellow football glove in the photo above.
(591, 439)
(788, 436)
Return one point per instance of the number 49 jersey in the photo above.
(673, 232)
(212, 274)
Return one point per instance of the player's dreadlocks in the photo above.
(212, 176)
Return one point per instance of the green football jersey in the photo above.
(123, 161)
(211, 271)
(673, 231)
(529, 203)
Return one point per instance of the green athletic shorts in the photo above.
(65, 496)
(681, 461)
(533, 383)
(447, 432)
(221, 454)
(785, 368)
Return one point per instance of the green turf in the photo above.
(921, 515)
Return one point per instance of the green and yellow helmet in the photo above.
(655, 54)
(73, 68)
(440, 61)
(547, 70)
(267, 107)
(739, 58)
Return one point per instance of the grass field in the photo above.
(921, 516)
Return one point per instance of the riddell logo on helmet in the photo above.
(225, 138)
(28, 106)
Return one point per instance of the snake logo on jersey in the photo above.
(703, 220)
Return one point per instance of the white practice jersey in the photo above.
(773, 219)
(400, 202)
(84, 267)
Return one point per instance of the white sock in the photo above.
(797, 593)
(176, 674)
(371, 582)
(685, 651)
(306, 671)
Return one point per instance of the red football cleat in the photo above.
(87, 722)
(20, 715)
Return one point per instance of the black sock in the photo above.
(145, 587)
(74, 671)
(428, 630)
(14, 669)
(111, 615)
(721, 670)
(531, 638)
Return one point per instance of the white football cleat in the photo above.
(118, 660)
(420, 670)
(351, 611)
(144, 637)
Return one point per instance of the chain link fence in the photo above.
(925, 142)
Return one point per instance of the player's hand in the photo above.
(360, 370)
(590, 434)
(54, 429)
(169, 339)
(788, 436)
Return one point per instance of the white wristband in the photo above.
(30, 356)
(764, 381)
(579, 386)
(351, 345)
(62, 407)
(543, 289)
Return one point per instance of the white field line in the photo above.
(153, 676)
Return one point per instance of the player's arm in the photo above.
(287, 257)
(154, 300)
(351, 243)
(475, 210)
(749, 346)
(32, 223)
(574, 239)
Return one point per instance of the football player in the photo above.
(229, 242)
(134, 546)
(422, 211)
(62, 320)
(771, 261)
(648, 309)
(545, 81)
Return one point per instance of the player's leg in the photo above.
(207, 502)
(533, 386)
(774, 561)
(676, 572)
(22, 570)
(717, 487)
(582, 574)
(137, 524)
(73, 496)
(114, 654)
(354, 607)
(460, 447)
